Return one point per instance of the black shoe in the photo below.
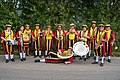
(12, 60)
(84, 59)
(80, 58)
(100, 59)
(109, 60)
(24, 59)
(101, 64)
(73, 57)
(27, 54)
(21, 59)
(37, 60)
(88, 57)
(39, 56)
(7, 61)
(35, 56)
(94, 62)
(46, 56)
(94, 58)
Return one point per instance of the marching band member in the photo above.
(91, 42)
(36, 35)
(59, 36)
(65, 40)
(72, 34)
(100, 45)
(55, 59)
(84, 35)
(48, 40)
(28, 32)
(19, 36)
(110, 38)
(6, 36)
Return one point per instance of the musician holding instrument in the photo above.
(72, 35)
(100, 45)
(92, 40)
(63, 56)
(65, 39)
(19, 36)
(28, 33)
(7, 36)
(37, 39)
(59, 35)
(110, 39)
(48, 40)
(84, 36)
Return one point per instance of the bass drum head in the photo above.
(80, 48)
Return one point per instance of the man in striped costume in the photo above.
(6, 37)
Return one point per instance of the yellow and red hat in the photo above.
(37, 24)
(94, 22)
(107, 25)
(49, 26)
(72, 24)
(101, 25)
(27, 25)
(70, 48)
(8, 25)
(58, 25)
(84, 26)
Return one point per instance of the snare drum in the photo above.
(26, 41)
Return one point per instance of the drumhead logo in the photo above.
(80, 48)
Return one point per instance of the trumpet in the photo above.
(72, 31)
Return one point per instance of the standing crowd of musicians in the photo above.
(100, 40)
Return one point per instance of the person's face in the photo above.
(22, 28)
(59, 28)
(72, 27)
(84, 29)
(107, 28)
(27, 27)
(37, 27)
(101, 28)
(69, 50)
(48, 28)
(93, 25)
(8, 28)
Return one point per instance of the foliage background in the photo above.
(51, 12)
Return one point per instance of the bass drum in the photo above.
(80, 48)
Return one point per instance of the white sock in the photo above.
(102, 60)
(45, 52)
(11, 56)
(89, 53)
(35, 53)
(94, 54)
(24, 55)
(39, 53)
(20, 55)
(97, 57)
(6, 56)
(85, 56)
(43, 60)
(108, 57)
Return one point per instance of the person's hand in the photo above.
(112, 43)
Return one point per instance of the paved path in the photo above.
(79, 70)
